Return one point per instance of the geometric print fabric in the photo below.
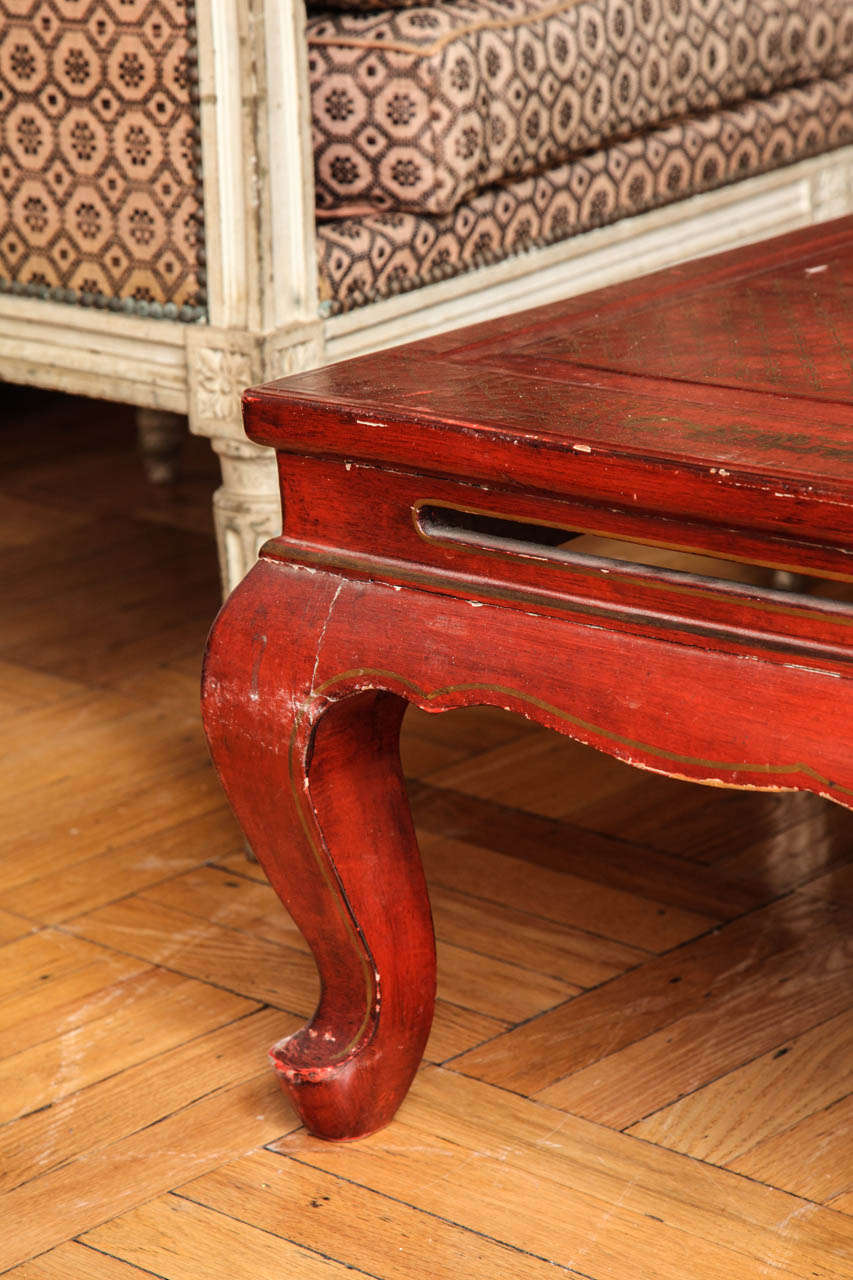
(416, 109)
(100, 198)
(376, 256)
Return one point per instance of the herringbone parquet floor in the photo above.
(642, 1059)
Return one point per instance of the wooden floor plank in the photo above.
(46, 568)
(251, 966)
(528, 941)
(558, 779)
(567, 899)
(814, 844)
(611, 1207)
(122, 613)
(423, 755)
(254, 966)
(843, 1203)
(540, 772)
(702, 824)
(156, 1011)
(138, 645)
(80, 818)
(431, 742)
(23, 690)
(813, 1158)
(46, 734)
(77, 824)
(357, 1226)
(123, 741)
(39, 958)
(164, 683)
(645, 1000)
(490, 986)
(137, 1096)
(180, 1240)
(743, 1108)
(471, 976)
(468, 729)
(23, 520)
(75, 1261)
(13, 926)
(220, 1126)
(456, 1029)
(836, 884)
(50, 1004)
(779, 999)
(563, 846)
(36, 629)
(124, 869)
(242, 900)
(580, 958)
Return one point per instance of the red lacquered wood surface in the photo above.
(708, 409)
(493, 405)
(317, 786)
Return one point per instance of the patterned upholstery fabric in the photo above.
(100, 198)
(365, 259)
(416, 109)
(361, 6)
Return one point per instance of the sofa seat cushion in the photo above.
(416, 109)
(365, 259)
(360, 6)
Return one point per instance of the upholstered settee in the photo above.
(194, 199)
(450, 136)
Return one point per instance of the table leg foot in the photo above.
(317, 786)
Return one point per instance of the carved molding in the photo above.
(219, 374)
(243, 523)
(293, 350)
(223, 362)
(220, 365)
(832, 187)
(247, 508)
(94, 353)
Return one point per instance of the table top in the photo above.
(734, 370)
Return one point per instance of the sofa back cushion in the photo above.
(417, 108)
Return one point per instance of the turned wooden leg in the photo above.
(246, 508)
(317, 786)
(160, 439)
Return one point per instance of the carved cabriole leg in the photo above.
(304, 688)
(317, 785)
(160, 439)
(246, 508)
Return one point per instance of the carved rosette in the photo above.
(220, 366)
(220, 376)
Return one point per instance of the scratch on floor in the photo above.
(596, 1230)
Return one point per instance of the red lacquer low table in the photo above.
(433, 496)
